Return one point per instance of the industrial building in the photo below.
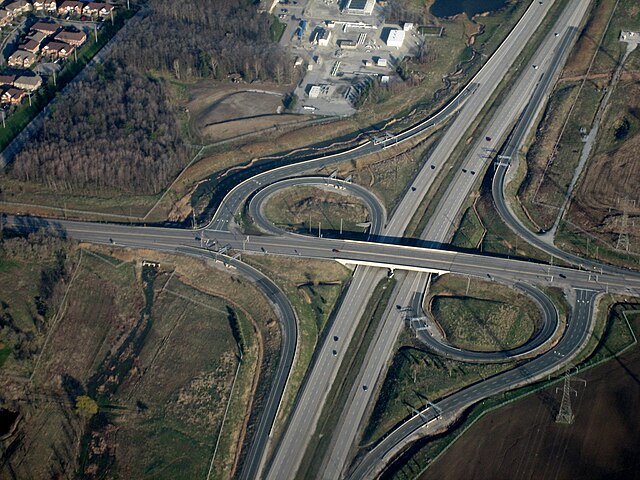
(395, 38)
(323, 37)
(359, 7)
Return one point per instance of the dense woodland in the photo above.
(117, 129)
(114, 130)
(206, 38)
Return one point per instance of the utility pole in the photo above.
(319, 229)
(340, 226)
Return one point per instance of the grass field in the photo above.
(159, 357)
(302, 209)
(485, 317)
(313, 288)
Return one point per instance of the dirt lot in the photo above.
(522, 441)
(220, 112)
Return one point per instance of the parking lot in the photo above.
(340, 53)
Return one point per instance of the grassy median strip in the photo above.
(437, 191)
(350, 368)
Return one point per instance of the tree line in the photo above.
(206, 39)
(115, 130)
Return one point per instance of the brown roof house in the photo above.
(29, 83)
(30, 46)
(37, 37)
(70, 7)
(58, 49)
(13, 95)
(21, 58)
(46, 28)
(7, 79)
(98, 8)
(72, 38)
(18, 7)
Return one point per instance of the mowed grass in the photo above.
(307, 209)
(313, 287)
(486, 317)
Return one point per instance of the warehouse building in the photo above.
(359, 7)
(395, 38)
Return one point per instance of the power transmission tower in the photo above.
(565, 415)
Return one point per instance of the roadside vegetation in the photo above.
(534, 408)
(307, 209)
(481, 316)
(313, 288)
(337, 397)
(127, 370)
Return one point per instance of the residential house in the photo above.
(21, 58)
(29, 83)
(30, 46)
(57, 49)
(72, 38)
(70, 7)
(46, 28)
(5, 17)
(13, 95)
(18, 7)
(48, 5)
(7, 79)
(37, 37)
(98, 8)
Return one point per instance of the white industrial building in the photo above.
(359, 7)
(323, 38)
(395, 38)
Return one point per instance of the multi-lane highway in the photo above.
(525, 100)
(547, 60)
(304, 418)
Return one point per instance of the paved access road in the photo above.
(576, 335)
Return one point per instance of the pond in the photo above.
(7, 419)
(449, 8)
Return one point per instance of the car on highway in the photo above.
(535, 67)
(365, 388)
(488, 139)
(335, 353)
(335, 250)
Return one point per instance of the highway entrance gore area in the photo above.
(320, 239)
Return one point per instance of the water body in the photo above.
(449, 8)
